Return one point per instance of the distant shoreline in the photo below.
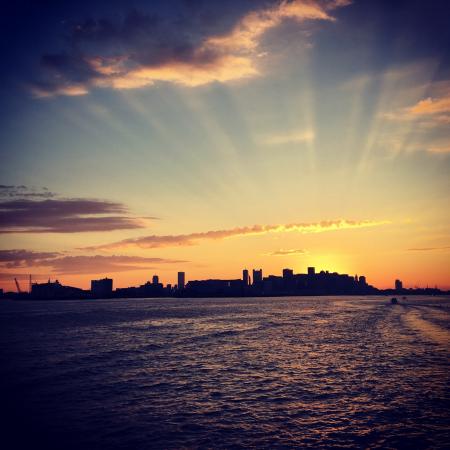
(88, 299)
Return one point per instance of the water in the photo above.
(322, 372)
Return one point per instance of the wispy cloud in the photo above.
(430, 110)
(439, 149)
(22, 191)
(24, 258)
(428, 249)
(80, 264)
(298, 137)
(292, 251)
(64, 216)
(104, 264)
(152, 50)
(155, 241)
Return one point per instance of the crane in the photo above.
(18, 286)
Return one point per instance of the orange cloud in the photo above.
(288, 252)
(224, 69)
(155, 241)
(246, 34)
(70, 90)
(440, 149)
(431, 106)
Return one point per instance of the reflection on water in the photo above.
(220, 373)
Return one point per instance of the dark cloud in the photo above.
(64, 216)
(23, 258)
(81, 264)
(191, 45)
(137, 39)
(22, 191)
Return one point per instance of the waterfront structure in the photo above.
(155, 279)
(55, 291)
(102, 288)
(398, 285)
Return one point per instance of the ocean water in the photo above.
(296, 372)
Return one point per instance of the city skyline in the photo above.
(254, 283)
(142, 137)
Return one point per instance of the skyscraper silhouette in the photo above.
(181, 280)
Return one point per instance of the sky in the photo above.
(141, 138)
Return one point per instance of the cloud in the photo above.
(9, 276)
(430, 106)
(288, 138)
(23, 258)
(64, 216)
(155, 241)
(428, 116)
(287, 252)
(22, 191)
(143, 49)
(81, 264)
(427, 249)
(103, 264)
(431, 111)
(440, 149)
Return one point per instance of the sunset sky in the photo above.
(142, 138)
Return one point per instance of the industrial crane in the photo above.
(18, 286)
(19, 290)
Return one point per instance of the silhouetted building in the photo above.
(257, 277)
(311, 271)
(155, 279)
(56, 291)
(102, 288)
(288, 273)
(221, 288)
(1, 292)
(245, 277)
(181, 280)
(362, 280)
(398, 285)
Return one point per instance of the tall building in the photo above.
(311, 271)
(245, 277)
(398, 285)
(155, 279)
(181, 280)
(102, 288)
(288, 273)
(257, 276)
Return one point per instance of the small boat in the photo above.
(394, 301)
